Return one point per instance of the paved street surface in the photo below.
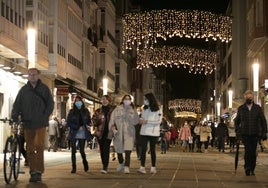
(174, 169)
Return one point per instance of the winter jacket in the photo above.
(74, 124)
(222, 130)
(53, 128)
(34, 105)
(205, 132)
(197, 129)
(231, 131)
(101, 122)
(250, 122)
(185, 133)
(125, 119)
(152, 127)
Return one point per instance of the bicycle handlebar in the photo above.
(9, 120)
(5, 120)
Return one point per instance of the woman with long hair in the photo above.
(122, 122)
(100, 120)
(151, 118)
(78, 119)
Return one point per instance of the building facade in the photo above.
(73, 43)
(235, 67)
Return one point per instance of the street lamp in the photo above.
(230, 94)
(31, 47)
(105, 86)
(256, 67)
(218, 110)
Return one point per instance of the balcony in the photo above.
(12, 40)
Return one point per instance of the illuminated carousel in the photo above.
(186, 108)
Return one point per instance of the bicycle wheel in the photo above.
(17, 158)
(8, 160)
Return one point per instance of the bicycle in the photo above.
(12, 153)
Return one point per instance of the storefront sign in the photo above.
(63, 90)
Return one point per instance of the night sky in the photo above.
(183, 84)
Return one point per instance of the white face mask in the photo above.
(146, 102)
(127, 102)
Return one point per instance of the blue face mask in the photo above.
(78, 104)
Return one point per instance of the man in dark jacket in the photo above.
(221, 133)
(34, 103)
(250, 126)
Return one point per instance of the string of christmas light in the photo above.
(191, 105)
(143, 29)
(196, 60)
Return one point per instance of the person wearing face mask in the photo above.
(150, 120)
(250, 126)
(78, 119)
(100, 120)
(122, 121)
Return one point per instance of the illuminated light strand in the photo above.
(197, 61)
(191, 105)
(143, 29)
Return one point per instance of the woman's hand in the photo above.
(142, 121)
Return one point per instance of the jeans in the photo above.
(35, 142)
(81, 146)
(53, 142)
(163, 144)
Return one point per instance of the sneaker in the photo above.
(153, 170)
(104, 171)
(126, 170)
(142, 170)
(120, 167)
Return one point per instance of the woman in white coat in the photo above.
(122, 121)
(151, 118)
(205, 135)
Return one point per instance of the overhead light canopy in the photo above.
(143, 28)
(196, 60)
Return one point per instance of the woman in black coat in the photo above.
(78, 119)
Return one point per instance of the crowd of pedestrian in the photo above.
(118, 129)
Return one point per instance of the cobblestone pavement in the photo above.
(175, 169)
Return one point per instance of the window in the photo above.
(229, 65)
(117, 68)
(259, 13)
(3, 9)
(7, 12)
(102, 58)
(133, 74)
(16, 18)
(11, 15)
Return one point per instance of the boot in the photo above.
(73, 169)
(73, 163)
(85, 163)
